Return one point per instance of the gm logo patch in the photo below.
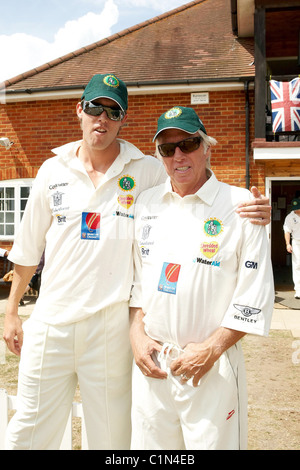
(251, 264)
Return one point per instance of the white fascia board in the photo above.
(276, 153)
(132, 90)
(42, 96)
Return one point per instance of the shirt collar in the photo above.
(128, 151)
(207, 193)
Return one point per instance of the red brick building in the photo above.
(204, 54)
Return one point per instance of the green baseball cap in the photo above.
(106, 86)
(296, 204)
(182, 118)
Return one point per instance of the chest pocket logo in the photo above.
(169, 278)
(90, 226)
(213, 227)
(126, 183)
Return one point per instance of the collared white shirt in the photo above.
(292, 225)
(87, 231)
(199, 265)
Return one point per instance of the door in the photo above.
(281, 192)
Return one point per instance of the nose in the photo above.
(103, 116)
(178, 154)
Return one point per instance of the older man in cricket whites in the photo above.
(203, 280)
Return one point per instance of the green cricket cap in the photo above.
(106, 86)
(179, 117)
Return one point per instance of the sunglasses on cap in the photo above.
(186, 146)
(96, 109)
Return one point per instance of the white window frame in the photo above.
(17, 184)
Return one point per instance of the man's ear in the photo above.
(124, 119)
(208, 153)
(79, 109)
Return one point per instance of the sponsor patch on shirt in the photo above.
(126, 183)
(251, 264)
(90, 226)
(213, 227)
(209, 249)
(248, 314)
(126, 201)
(57, 198)
(169, 278)
(61, 219)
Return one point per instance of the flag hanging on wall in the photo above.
(285, 103)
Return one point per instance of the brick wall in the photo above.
(38, 126)
(34, 127)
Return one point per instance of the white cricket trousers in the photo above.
(96, 354)
(167, 415)
(296, 265)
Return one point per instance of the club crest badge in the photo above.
(126, 183)
(173, 113)
(111, 80)
(213, 227)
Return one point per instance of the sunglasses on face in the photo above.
(95, 109)
(186, 146)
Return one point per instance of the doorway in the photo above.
(281, 192)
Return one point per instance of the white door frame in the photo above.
(268, 185)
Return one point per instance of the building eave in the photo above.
(134, 88)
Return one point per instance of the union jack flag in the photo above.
(285, 102)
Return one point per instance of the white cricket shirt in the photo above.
(292, 225)
(199, 265)
(87, 232)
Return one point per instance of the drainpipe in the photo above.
(246, 87)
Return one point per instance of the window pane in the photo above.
(1, 229)
(10, 205)
(23, 204)
(1, 217)
(9, 230)
(10, 217)
(25, 192)
(10, 193)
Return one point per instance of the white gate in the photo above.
(8, 402)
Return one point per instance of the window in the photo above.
(13, 199)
